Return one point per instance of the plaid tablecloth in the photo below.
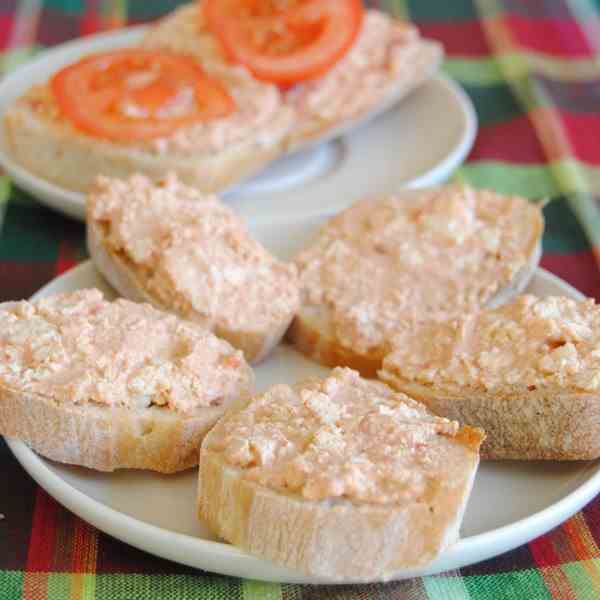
(532, 68)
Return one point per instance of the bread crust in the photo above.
(550, 424)
(72, 160)
(105, 438)
(122, 275)
(338, 540)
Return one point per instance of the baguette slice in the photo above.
(112, 385)
(187, 253)
(339, 478)
(418, 256)
(209, 156)
(528, 372)
(388, 60)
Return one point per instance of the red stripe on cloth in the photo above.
(66, 257)
(91, 21)
(464, 38)
(43, 534)
(543, 552)
(513, 140)
(578, 538)
(583, 133)
(591, 514)
(85, 548)
(560, 37)
(6, 24)
(580, 269)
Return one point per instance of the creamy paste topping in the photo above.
(260, 111)
(259, 116)
(342, 436)
(382, 54)
(530, 342)
(381, 263)
(81, 349)
(194, 253)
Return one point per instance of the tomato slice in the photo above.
(285, 41)
(136, 94)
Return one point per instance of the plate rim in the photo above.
(130, 529)
(72, 203)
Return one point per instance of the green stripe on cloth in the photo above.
(11, 584)
(480, 71)
(59, 585)
(525, 584)
(134, 586)
(447, 587)
(580, 581)
(259, 590)
(532, 181)
(489, 70)
(5, 189)
(11, 59)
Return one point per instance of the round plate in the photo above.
(417, 142)
(157, 512)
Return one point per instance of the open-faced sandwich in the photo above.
(112, 385)
(528, 372)
(407, 259)
(149, 111)
(334, 61)
(185, 252)
(340, 477)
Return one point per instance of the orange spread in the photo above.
(531, 342)
(382, 54)
(341, 437)
(382, 263)
(79, 348)
(195, 254)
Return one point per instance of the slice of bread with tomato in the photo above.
(211, 128)
(368, 62)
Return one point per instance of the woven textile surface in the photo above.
(532, 69)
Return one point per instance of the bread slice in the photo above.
(112, 385)
(209, 157)
(416, 256)
(388, 60)
(528, 372)
(187, 253)
(339, 478)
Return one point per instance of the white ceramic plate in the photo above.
(157, 513)
(418, 142)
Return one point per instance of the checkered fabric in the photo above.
(532, 69)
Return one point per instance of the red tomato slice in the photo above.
(285, 41)
(138, 94)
